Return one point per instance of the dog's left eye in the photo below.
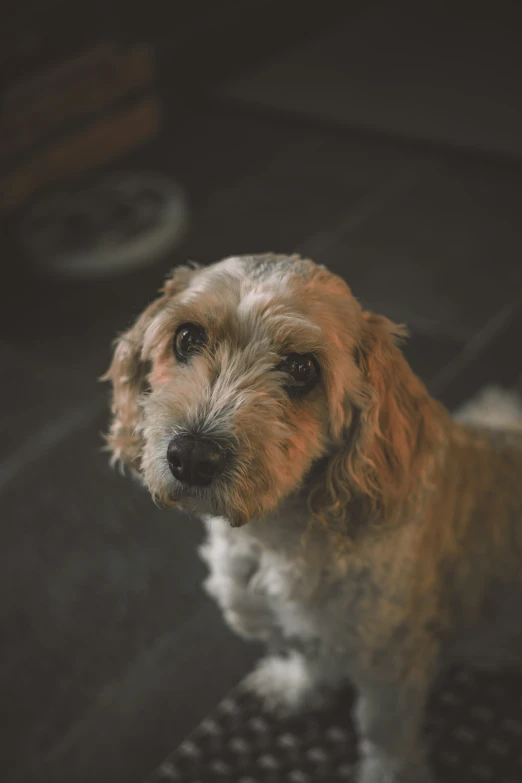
(188, 340)
(302, 370)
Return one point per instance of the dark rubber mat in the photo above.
(474, 728)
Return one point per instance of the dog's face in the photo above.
(244, 374)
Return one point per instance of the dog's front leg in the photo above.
(233, 563)
(390, 718)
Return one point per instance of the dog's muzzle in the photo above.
(195, 460)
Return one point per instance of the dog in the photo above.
(354, 526)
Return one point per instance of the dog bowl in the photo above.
(118, 224)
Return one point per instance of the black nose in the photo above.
(195, 460)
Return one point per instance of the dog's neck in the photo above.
(285, 528)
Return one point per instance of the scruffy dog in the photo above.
(353, 525)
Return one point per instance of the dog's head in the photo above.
(248, 377)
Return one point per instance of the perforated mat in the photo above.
(474, 729)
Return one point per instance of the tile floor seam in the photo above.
(368, 206)
(47, 438)
(174, 640)
(475, 345)
(415, 145)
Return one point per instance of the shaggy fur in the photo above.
(358, 529)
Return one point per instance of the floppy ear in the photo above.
(129, 372)
(390, 439)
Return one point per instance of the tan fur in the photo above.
(392, 441)
(383, 535)
(128, 374)
(391, 433)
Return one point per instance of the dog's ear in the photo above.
(128, 373)
(391, 434)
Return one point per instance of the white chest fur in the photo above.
(272, 588)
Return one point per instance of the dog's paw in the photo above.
(284, 684)
(252, 623)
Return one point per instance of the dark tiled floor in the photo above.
(92, 576)
(443, 235)
(111, 654)
(437, 71)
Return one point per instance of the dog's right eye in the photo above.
(303, 373)
(188, 340)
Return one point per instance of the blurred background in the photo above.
(382, 139)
